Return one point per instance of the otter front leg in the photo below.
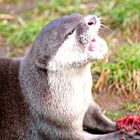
(95, 121)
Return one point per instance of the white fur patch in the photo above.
(72, 94)
(67, 54)
(100, 46)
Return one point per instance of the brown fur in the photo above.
(38, 100)
(12, 107)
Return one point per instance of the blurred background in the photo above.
(116, 80)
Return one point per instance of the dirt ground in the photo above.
(113, 102)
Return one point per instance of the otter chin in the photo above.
(47, 93)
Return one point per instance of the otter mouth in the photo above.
(92, 45)
(93, 42)
(97, 49)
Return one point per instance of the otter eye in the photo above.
(70, 33)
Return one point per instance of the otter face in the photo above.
(93, 45)
(71, 41)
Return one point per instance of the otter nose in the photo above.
(92, 21)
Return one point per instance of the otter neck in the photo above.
(69, 90)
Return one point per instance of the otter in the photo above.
(47, 94)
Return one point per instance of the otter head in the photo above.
(69, 42)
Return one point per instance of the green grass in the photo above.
(21, 35)
(133, 107)
(125, 64)
(125, 110)
(115, 116)
(124, 68)
(124, 15)
(11, 1)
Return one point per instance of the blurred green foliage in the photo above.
(18, 34)
(130, 107)
(124, 15)
(115, 116)
(125, 64)
(123, 70)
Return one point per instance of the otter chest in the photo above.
(71, 92)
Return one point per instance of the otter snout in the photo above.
(80, 45)
(87, 32)
(88, 29)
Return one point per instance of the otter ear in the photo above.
(41, 61)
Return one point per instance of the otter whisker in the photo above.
(106, 27)
(98, 15)
(101, 29)
(102, 21)
(101, 32)
(93, 11)
(102, 18)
